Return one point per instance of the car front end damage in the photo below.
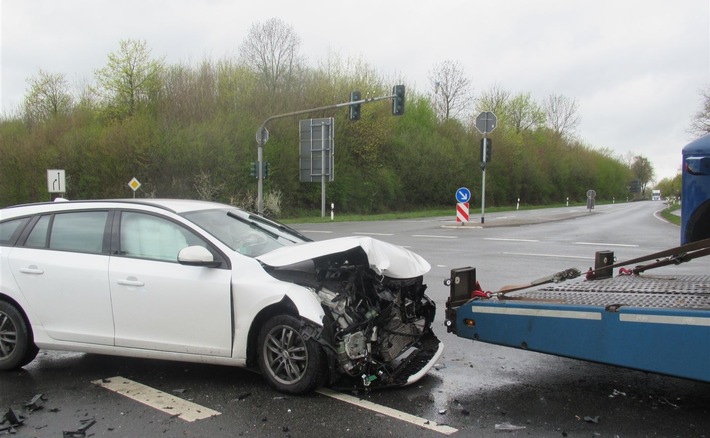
(377, 327)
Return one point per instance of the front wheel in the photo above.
(16, 346)
(291, 361)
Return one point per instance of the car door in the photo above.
(61, 268)
(159, 304)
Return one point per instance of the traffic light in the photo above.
(486, 150)
(355, 108)
(266, 170)
(398, 100)
(253, 169)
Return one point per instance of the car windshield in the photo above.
(245, 233)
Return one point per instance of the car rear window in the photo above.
(10, 230)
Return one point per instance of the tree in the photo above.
(562, 116)
(272, 50)
(130, 79)
(524, 114)
(642, 170)
(48, 97)
(495, 99)
(452, 94)
(700, 124)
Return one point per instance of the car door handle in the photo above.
(131, 281)
(32, 269)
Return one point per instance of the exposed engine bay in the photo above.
(377, 329)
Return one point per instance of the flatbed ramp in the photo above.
(651, 323)
(683, 292)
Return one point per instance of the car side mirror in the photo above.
(197, 256)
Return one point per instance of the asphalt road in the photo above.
(475, 390)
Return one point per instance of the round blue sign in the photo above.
(463, 195)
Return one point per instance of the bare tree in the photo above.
(48, 97)
(700, 124)
(452, 91)
(272, 50)
(562, 116)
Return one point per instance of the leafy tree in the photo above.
(524, 114)
(642, 169)
(47, 98)
(130, 79)
(452, 90)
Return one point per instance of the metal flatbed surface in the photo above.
(649, 291)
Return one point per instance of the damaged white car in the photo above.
(205, 282)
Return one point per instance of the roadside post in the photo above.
(463, 197)
(485, 122)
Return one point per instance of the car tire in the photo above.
(291, 361)
(17, 348)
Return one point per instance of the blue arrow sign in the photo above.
(463, 195)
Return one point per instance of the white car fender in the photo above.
(307, 303)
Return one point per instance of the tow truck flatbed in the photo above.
(656, 323)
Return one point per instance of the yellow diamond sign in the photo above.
(134, 184)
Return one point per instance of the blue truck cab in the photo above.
(652, 323)
(695, 198)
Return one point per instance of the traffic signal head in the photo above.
(253, 170)
(355, 108)
(398, 100)
(486, 146)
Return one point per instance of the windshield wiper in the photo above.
(280, 226)
(253, 224)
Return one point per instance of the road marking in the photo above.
(374, 234)
(549, 255)
(431, 236)
(510, 240)
(159, 400)
(606, 244)
(384, 410)
(316, 231)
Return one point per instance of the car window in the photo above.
(9, 230)
(81, 231)
(152, 237)
(38, 235)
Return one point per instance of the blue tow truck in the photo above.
(654, 323)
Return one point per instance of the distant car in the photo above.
(205, 282)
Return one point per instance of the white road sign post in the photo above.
(485, 122)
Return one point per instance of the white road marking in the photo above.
(374, 234)
(510, 240)
(316, 231)
(431, 236)
(159, 400)
(606, 244)
(549, 255)
(384, 410)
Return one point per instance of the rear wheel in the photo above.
(291, 361)
(16, 346)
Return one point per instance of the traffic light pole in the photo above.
(262, 136)
(483, 182)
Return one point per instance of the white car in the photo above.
(205, 282)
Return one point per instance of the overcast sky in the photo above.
(635, 67)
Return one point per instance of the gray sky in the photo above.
(635, 67)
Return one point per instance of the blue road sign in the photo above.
(463, 195)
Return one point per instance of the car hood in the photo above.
(384, 258)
